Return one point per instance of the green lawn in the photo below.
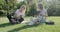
(6, 27)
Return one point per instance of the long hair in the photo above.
(24, 8)
(40, 6)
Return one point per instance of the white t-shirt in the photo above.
(18, 13)
(43, 12)
(42, 17)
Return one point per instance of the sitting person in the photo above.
(43, 14)
(18, 15)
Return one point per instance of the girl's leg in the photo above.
(21, 19)
(9, 17)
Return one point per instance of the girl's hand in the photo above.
(41, 14)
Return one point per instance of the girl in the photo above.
(18, 16)
(20, 12)
(43, 14)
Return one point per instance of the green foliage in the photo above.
(31, 7)
(53, 7)
(2, 3)
(32, 10)
(7, 5)
(20, 4)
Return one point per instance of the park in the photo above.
(37, 16)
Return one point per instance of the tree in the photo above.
(53, 8)
(7, 5)
(31, 7)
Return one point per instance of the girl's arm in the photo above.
(44, 14)
(13, 20)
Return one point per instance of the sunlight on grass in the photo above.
(5, 26)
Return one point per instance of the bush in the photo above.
(53, 10)
(32, 10)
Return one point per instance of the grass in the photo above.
(6, 27)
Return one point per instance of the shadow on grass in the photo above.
(21, 28)
(5, 24)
